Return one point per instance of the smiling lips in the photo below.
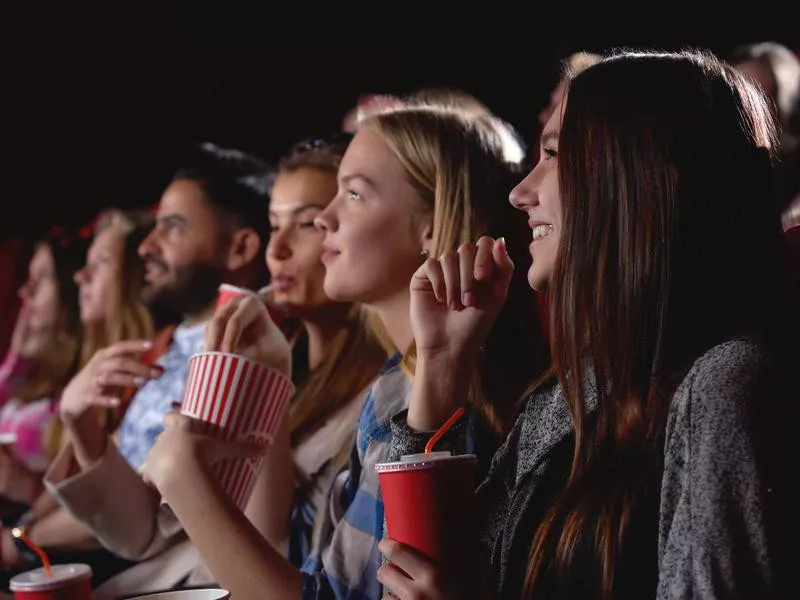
(540, 230)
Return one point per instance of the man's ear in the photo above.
(245, 246)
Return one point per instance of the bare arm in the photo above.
(270, 506)
(256, 570)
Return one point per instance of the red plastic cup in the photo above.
(238, 399)
(428, 502)
(65, 582)
(228, 292)
(195, 594)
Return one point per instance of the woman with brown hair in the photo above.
(42, 358)
(415, 181)
(654, 462)
(110, 310)
(335, 357)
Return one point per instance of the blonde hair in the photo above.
(463, 164)
(128, 317)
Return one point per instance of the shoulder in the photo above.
(721, 390)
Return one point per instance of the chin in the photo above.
(338, 291)
(537, 280)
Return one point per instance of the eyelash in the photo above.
(301, 225)
(549, 153)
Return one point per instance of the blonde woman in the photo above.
(110, 310)
(413, 182)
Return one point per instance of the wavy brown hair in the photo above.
(354, 357)
(59, 359)
(664, 165)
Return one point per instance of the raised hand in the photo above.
(454, 302)
(456, 298)
(108, 372)
(243, 326)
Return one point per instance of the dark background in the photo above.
(99, 101)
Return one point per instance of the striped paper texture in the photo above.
(241, 400)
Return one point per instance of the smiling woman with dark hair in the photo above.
(655, 461)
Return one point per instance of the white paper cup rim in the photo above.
(235, 288)
(231, 355)
(6, 439)
(37, 580)
(195, 594)
(423, 461)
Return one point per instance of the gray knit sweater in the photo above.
(710, 522)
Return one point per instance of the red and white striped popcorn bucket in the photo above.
(239, 399)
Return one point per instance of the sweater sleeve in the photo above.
(713, 539)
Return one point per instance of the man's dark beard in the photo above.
(193, 291)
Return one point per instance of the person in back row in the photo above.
(210, 228)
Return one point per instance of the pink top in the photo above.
(28, 421)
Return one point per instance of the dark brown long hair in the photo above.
(59, 359)
(664, 173)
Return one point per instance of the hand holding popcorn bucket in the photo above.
(241, 400)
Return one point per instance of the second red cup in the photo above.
(64, 582)
(228, 292)
(428, 502)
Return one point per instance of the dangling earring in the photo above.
(423, 255)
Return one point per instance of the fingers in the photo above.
(127, 347)
(392, 578)
(407, 559)
(484, 262)
(216, 327)
(455, 278)
(449, 262)
(504, 265)
(429, 277)
(137, 372)
(250, 313)
(466, 263)
(501, 257)
(105, 401)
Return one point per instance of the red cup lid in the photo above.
(39, 581)
(425, 461)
